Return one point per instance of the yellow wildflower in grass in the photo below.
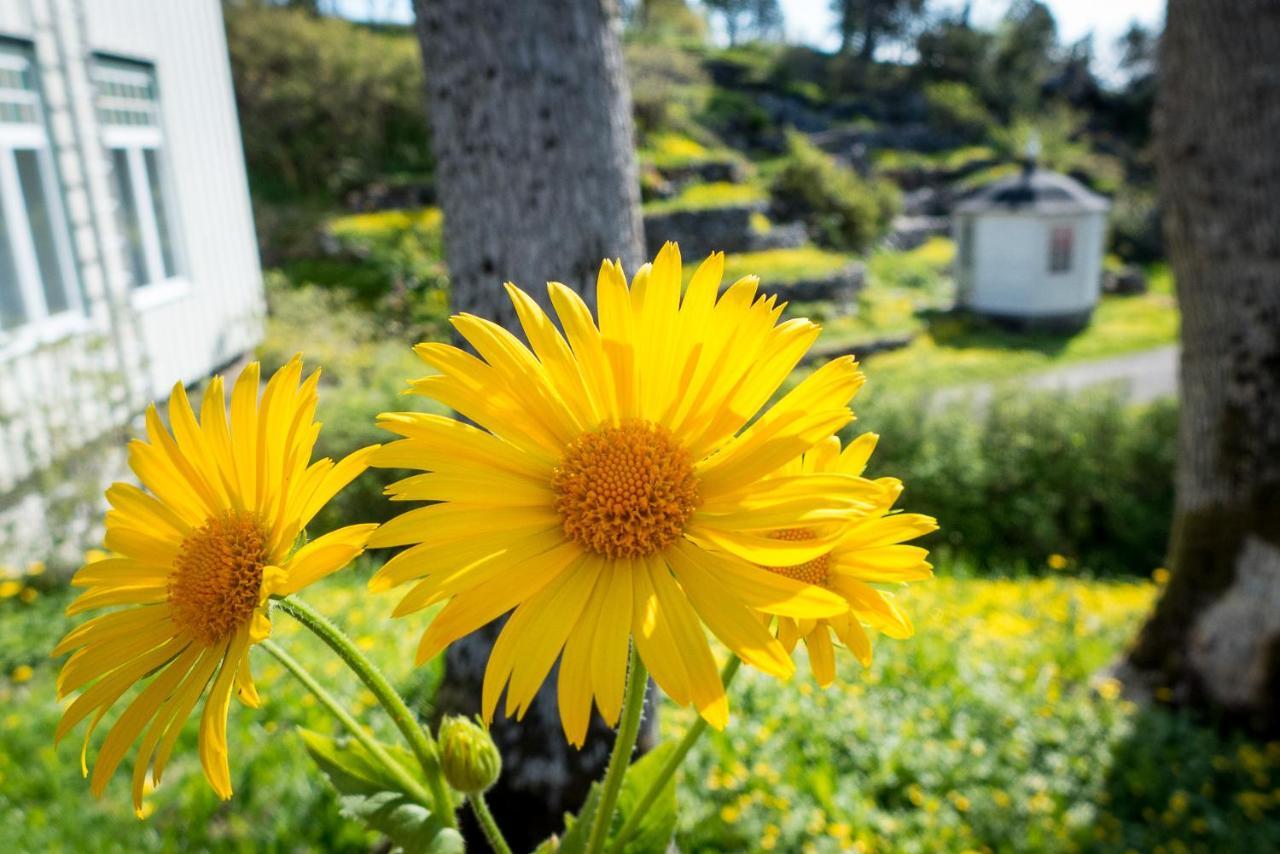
(22, 673)
(613, 489)
(867, 550)
(196, 558)
(9, 589)
(1058, 562)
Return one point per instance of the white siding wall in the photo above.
(1009, 270)
(217, 316)
(138, 342)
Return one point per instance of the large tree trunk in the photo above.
(1214, 639)
(531, 129)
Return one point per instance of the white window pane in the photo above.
(155, 181)
(42, 221)
(127, 216)
(12, 312)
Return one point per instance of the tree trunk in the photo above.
(536, 171)
(1214, 639)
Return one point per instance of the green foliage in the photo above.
(958, 349)
(717, 194)
(1029, 474)
(279, 805)
(1133, 227)
(955, 108)
(672, 22)
(841, 209)
(781, 266)
(985, 731)
(324, 104)
(656, 827)
(668, 88)
(365, 369)
(735, 115)
(368, 794)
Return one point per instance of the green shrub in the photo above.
(717, 194)
(324, 104)
(668, 87)
(736, 116)
(1029, 474)
(364, 371)
(841, 209)
(955, 108)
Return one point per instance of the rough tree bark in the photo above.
(1214, 638)
(536, 170)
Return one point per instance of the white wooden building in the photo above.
(127, 253)
(1030, 247)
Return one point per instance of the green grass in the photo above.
(717, 194)
(782, 266)
(982, 731)
(670, 150)
(957, 350)
(280, 803)
(893, 159)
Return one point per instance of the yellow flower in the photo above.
(196, 558)
(22, 673)
(867, 550)
(1058, 562)
(9, 589)
(1160, 575)
(36, 567)
(614, 490)
(29, 595)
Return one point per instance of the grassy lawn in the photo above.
(954, 351)
(717, 194)
(981, 732)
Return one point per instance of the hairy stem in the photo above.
(669, 767)
(402, 777)
(624, 743)
(417, 736)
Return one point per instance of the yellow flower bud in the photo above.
(469, 757)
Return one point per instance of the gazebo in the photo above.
(1029, 249)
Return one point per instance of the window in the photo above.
(37, 279)
(1061, 243)
(129, 114)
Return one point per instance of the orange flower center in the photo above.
(217, 577)
(625, 491)
(809, 572)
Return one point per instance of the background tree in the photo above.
(531, 121)
(1022, 59)
(865, 24)
(1215, 635)
(747, 19)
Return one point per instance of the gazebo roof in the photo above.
(1034, 191)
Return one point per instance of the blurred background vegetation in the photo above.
(989, 731)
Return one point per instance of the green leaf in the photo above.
(369, 794)
(577, 830)
(656, 828)
(659, 823)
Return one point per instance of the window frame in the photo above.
(1068, 256)
(134, 141)
(38, 322)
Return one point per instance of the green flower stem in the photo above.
(417, 736)
(669, 768)
(623, 744)
(490, 827)
(394, 768)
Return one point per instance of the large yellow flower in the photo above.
(613, 489)
(195, 559)
(869, 550)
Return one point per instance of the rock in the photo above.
(841, 287)
(908, 232)
(701, 232)
(1128, 281)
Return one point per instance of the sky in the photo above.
(812, 22)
